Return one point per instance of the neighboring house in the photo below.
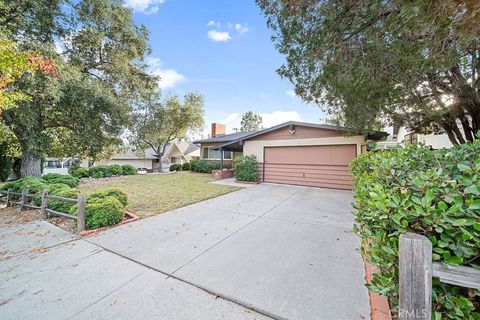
(56, 165)
(176, 152)
(296, 153)
(403, 136)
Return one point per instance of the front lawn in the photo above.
(152, 194)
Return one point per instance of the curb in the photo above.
(379, 306)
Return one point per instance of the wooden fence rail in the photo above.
(24, 201)
(416, 270)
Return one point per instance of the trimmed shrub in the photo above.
(128, 170)
(60, 178)
(116, 193)
(59, 205)
(102, 212)
(186, 166)
(204, 166)
(98, 172)
(175, 167)
(52, 188)
(432, 193)
(33, 184)
(246, 168)
(116, 169)
(80, 172)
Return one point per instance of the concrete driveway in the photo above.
(286, 252)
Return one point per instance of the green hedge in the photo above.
(116, 193)
(80, 172)
(175, 167)
(204, 166)
(186, 166)
(246, 168)
(102, 212)
(60, 178)
(33, 184)
(128, 170)
(432, 193)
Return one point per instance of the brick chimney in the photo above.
(218, 129)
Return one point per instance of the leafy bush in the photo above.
(33, 184)
(246, 168)
(128, 170)
(59, 205)
(204, 166)
(116, 193)
(175, 167)
(116, 169)
(80, 172)
(102, 212)
(60, 178)
(51, 188)
(432, 193)
(101, 172)
(186, 166)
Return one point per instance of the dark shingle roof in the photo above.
(225, 138)
(191, 148)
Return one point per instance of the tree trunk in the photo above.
(31, 165)
(161, 167)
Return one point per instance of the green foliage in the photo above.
(116, 169)
(102, 212)
(60, 178)
(98, 172)
(80, 172)
(246, 168)
(204, 166)
(186, 166)
(115, 193)
(156, 122)
(433, 193)
(59, 205)
(33, 184)
(82, 111)
(251, 121)
(175, 167)
(128, 170)
(371, 61)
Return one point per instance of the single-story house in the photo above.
(293, 152)
(176, 152)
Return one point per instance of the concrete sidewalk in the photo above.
(45, 273)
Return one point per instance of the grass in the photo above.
(152, 194)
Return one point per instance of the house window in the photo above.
(175, 159)
(411, 138)
(210, 154)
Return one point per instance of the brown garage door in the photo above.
(316, 166)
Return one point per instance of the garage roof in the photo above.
(377, 135)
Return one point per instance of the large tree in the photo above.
(156, 123)
(98, 50)
(415, 63)
(251, 121)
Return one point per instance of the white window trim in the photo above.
(217, 159)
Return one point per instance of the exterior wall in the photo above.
(436, 141)
(255, 147)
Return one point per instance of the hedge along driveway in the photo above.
(156, 193)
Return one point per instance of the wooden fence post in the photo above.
(415, 272)
(43, 208)
(9, 197)
(81, 213)
(23, 201)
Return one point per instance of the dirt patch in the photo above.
(13, 215)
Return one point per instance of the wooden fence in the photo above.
(416, 271)
(24, 200)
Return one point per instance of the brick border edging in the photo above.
(379, 306)
(131, 215)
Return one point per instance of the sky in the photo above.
(221, 49)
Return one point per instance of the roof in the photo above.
(225, 138)
(376, 135)
(191, 148)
